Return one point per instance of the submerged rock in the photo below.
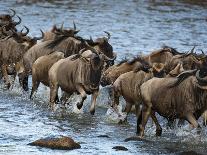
(62, 143)
(103, 136)
(120, 148)
(190, 153)
(136, 138)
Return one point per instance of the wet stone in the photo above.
(190, 153)
(136, 138)
(103, 136)
(120, 148)
(61, 143)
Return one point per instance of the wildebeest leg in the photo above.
(53, 94)
(115, 102)
(127, 109)
(139, 117)
(35, 85)
(181, 122)
(158, 127)
(204, 115)
(83, 95)
(93, 103)
(146, 111)
(14, 77)
(192, 120)
(65, 96)
(5, 75)
(171, 123)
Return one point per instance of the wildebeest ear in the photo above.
(54, 28)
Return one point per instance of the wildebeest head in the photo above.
(158, 69)
(189, 61)
(57, 32)
(102, 45)
(201, 76)
(7, 17)
(96, 62)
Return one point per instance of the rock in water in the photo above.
(62, 143)
(120, 148)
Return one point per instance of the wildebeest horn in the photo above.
(182, 76)
(202, 52)
(186, 73)
(74, 26)
(91, 39)
(17, 23)
(24, 34)
(192, 50)
(75, 32)
(14, 12)
(204, 81)
(61, 28)
(109, 35)
(81, 51)
(39, 38)
(110, 59)
(90, 47)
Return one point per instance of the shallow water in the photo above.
(135, 26)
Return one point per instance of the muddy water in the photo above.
(135, 27)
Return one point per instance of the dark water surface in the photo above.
(135, 26)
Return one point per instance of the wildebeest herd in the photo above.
(171, 83)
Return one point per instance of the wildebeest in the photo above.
(128, 86)
(41, 67)
(12, 50)
(189, 61)
(78, 73)
(67, 45)
(113, 72)
(7, 22)
(55, 32)
(181, 97)
(163, 56)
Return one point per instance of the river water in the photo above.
(136, 27)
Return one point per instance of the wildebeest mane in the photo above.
(56, 41)
(172, 50)
(122, 61)
(139, 59)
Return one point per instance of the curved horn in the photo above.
(185, 73)
(110, 59)
(74, 26)
(81, 51)
(192, 50)
(108, 34)
(90, 47)
(13, 11)
(39, 38)
(24, 34)
(204, 81)
(17, 23)
(202, 52)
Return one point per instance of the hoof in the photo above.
(26, 88)
(92, 112)
(7, 85)
(158, 132)
(79, 105)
